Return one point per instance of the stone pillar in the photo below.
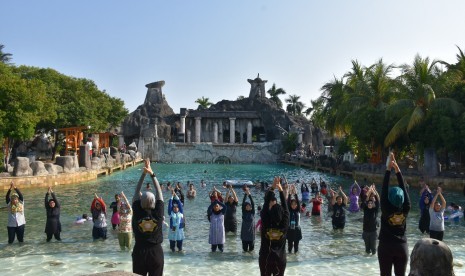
(299, 137)
(198, 128)
(155, 131)
(215, 133)
(183, 125)
(120, 141)
(249, 132)
(220, 132)
(188, 136)
(232, 130)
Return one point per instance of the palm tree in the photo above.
(370, 86)
(295, 107)
(274, 93)
(330, 109)
(4, 57)
(459, 67)
(203, 102)
(418, 82)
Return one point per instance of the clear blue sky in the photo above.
(210, 48)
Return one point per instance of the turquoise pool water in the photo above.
(322, 252)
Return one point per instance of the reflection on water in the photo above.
(321, 252)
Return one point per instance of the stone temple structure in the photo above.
(250, 130)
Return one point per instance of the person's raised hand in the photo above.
(147, 168)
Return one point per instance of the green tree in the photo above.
(418, 98)
(203, 102)
(294, 106)
(4, 57)
(75, 101)
(371, 91)
(330, 109)
(274, 95)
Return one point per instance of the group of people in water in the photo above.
(278, 222)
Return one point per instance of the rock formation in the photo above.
(155, 110)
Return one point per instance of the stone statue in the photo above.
(257, 87)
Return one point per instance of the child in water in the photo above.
(339, 202)
(216, 213)
(176, 213)
(99, 217)
(354, 197)
(294, 234)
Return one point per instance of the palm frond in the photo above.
(397, 130)
(416, 117)
(455, 107)
(399, 108)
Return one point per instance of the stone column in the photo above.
(188, 136)
(249, 132)
(220, 132)
(215, 133)
(120, 141)
(299, 137)
(183, 125)
(198, 127)
(232, 130)
(182, 130)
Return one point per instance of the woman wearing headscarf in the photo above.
(176, 213)
(248, 223)
(53, 224)
(99, 217)
(16, 219)
(275, 223)
(216, 235)
(395, 206)
(147, 221)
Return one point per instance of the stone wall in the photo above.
(209, 153)
(48, 180)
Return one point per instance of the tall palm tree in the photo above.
(4, 57)
(330, 109)
(274, 94)
(418, 82)
(371, 86)
(203, 102)
(295, 107)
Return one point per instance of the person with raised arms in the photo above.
(147, 221)
(395, 207)
(275, 224)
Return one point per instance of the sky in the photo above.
(210, 48)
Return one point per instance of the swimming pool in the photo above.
(321, 252)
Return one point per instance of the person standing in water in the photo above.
(125, 225)
(370, 214)
(52, 208)
(395, 207)
(16, 218)
(436, 213)
(275, 224)
(176, 213)
(99, 217)
(115, 220)
(339, 202)
(215, 214)
(230, 219)
(248, 223)
(147, 221)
